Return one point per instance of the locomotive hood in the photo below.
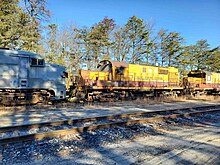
(18, 53)
(56, 70)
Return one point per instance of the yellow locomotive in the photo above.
(203, 81)
(114, 79)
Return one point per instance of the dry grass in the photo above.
(167, 99)
(203, 97)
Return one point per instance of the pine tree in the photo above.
(10, 31)
(170, 46)
(52, 45)
(201, 54)
(38, 13)
(139, 39)
(213, 61)
(16, 27)
(120, 46)
(99, 40)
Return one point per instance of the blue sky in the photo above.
(193, 19)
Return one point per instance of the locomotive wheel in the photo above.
(90, 98)
(43, 99)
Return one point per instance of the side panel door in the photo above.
(23, 72)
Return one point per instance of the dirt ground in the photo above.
(200, 145)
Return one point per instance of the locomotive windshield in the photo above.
(198, 75)
(105, 66)
(41, 62)
(37, 62)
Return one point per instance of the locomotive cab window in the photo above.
(162, 71)
(37, 62)
(197, 75)
(41, 62)
(120, 70)
(33, 61)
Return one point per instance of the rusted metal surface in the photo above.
(116, 64)
(76, 130)
(119, 64)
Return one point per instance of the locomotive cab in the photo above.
(196, 78)
(116, 70)
(199, 80)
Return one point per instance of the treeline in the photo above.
(20, 28)
(72, 46)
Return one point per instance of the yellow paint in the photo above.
(136, 72)
(215, 78)
(96, 75)
(149, 73)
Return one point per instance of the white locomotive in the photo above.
(26, 78)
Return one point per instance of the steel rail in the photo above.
(107, 117)
(77, 130)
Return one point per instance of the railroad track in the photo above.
(75, 126)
